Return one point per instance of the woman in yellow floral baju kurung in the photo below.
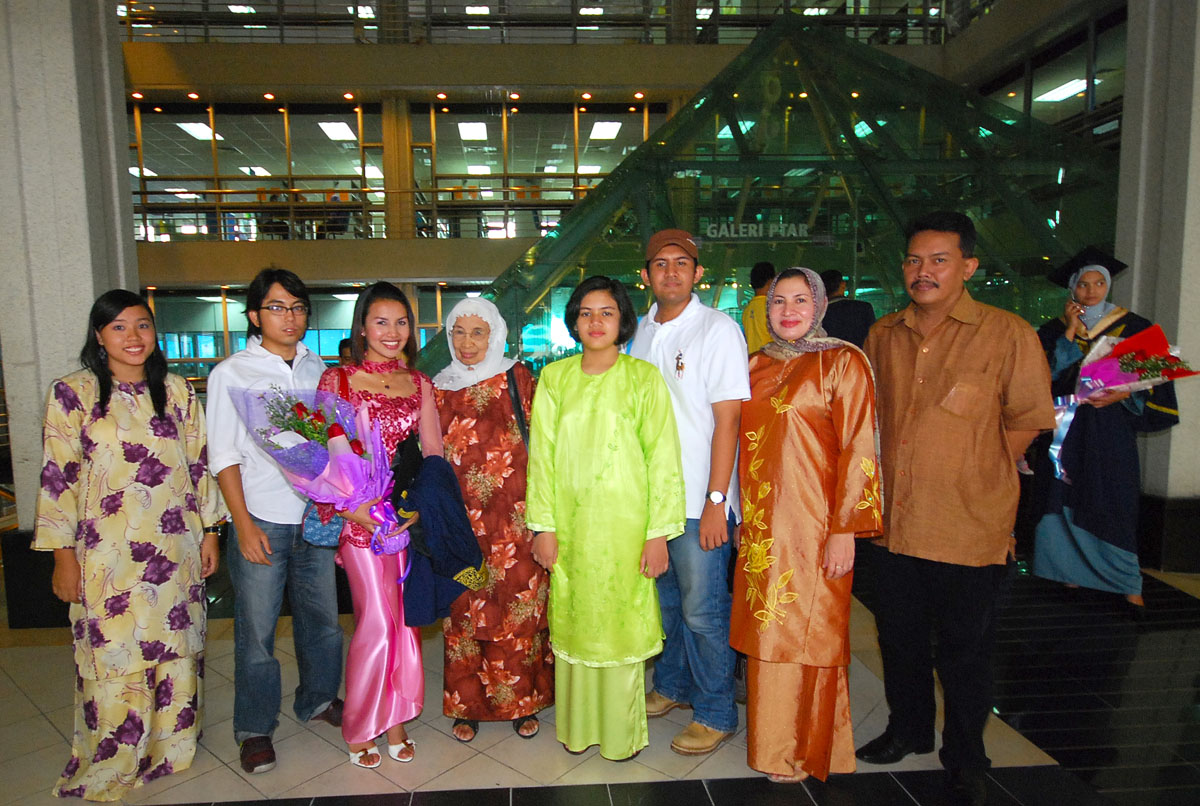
(125, 502)
(809, 475)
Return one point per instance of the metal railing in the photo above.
(563, 22)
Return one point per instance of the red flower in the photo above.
(356, 446)
(318, 417)
(336, 430)
(301, 410)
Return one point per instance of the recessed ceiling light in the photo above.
(512, 110)
(605, 130)
(854, 94)
(137, 95)
(241, 9)
(337, 130)
(639, 95)
(270, 96)
(441, 96)
(158, 109)
(198, 130)
(193, 96)
(349, 96)
(478, 10)
(587, 96)
(591, 11)
(804, 95)
(472, 131)
(445, 109)
(1012, 94)
(479, 170)
(281, 109)
(583, 109)
(515, 96)
(633, 109)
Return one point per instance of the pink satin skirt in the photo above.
(385, 683)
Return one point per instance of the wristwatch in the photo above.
(716, 497)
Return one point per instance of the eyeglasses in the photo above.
(281, 310)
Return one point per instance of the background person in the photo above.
(498, 664)
(267, 550)
(385, 683)
(754, 315)
(1086, 532)
(130, 512)
(846, 319)
(605, 493)
(810, 485)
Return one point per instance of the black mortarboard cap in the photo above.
(1090, 256)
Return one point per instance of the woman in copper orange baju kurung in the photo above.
(809, 475)
(498, 663)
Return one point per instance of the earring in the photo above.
(103, 353)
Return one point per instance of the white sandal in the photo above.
(357, 756)
(394, 750)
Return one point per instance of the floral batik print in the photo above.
(497, 654)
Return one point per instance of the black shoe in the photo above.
(967, 787)
(887, 749)
(257, 754)
(333, 713)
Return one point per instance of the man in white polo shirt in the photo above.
(266, 547)
(702, 356)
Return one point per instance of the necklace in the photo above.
(384, 370)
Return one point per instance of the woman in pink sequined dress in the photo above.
(385, 684)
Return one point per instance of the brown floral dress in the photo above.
(497, 654)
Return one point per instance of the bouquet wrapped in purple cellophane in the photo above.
(328, 451)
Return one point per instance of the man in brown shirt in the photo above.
(963, 388)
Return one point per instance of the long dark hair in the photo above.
(256, 292)
(107, 307)
(369, 296)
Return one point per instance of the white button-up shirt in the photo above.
(702, 356)
(269, 496)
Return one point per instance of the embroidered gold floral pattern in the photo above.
(870, 494)
(766, 600)
(481, 394)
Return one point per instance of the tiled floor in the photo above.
(1113, 701)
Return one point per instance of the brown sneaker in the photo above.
(698, 740)
(258, 754)
(333, 713)
(658, 705)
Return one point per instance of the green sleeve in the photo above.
(543, 426)
(659, 438)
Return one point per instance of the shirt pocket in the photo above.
(971, 396)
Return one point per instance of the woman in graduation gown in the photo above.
(1086, 532)
(810, 478)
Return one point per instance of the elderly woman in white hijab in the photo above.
(498, 664)
(1086, 476)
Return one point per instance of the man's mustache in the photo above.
(929, 280)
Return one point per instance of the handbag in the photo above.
(317, 533)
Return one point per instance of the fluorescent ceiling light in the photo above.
(241, 9)
(337, 130)
(479, 27)
(1064, 91)
(478, 170)
(605, 130)
(372, 172)
(346, 297)
(122, 10)
(703, 13)
(198, 130)
(799, 172)
(558, 146)
(254, 170)
(202, 299)
(181, 193)
(253, 27)
(816, 12)
(473, 294)
(587, 27)
(145, 172)
(591, 11)
(1105, 128)
(589, 169)
(472, 131)
(862, 128)
(362, 12)
(550, 169)
(479, 10)
(744, 125)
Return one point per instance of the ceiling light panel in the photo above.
(605, 130)
(337, 130)
(198, 130)
(472, 131)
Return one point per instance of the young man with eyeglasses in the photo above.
(266, 548)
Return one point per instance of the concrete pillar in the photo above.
(399, 208)
(1158, 234)
(65, 204)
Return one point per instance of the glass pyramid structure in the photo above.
(810, 149)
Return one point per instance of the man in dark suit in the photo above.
(846, 319)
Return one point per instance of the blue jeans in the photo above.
(307, 571)
(696, 665)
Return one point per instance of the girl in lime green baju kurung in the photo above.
(605, 476)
